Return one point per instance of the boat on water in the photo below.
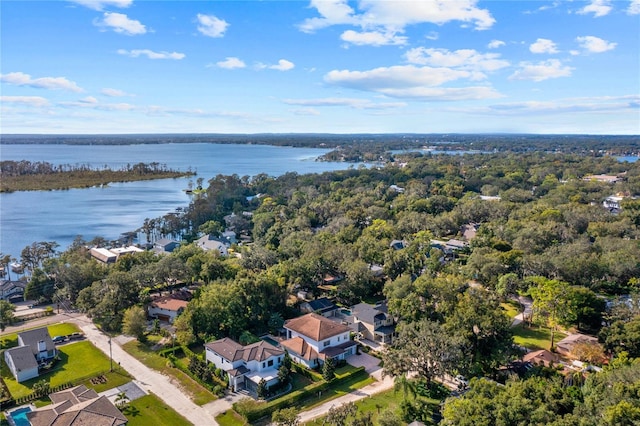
(16, 267)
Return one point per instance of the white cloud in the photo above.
(22, 79)
(372, 38)
(597, 7)
(231, 63)
(432, 35)
(114, 93)
(634, 7)
(541, 71)
(151, 54)
(543, 45)
(89, 100)
(348, 102)
(211, 26)
(467, 59)
(594, 44)
(389, 18)
(494, 44)
(282, 65)
(33, 101)
(585, 104)
(120, 23)
(409, 81)
(101, 4)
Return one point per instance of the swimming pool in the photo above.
(19, 416)
(270, 340)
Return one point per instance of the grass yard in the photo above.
(78, 361)
(230, 418)
(198, 394)
(63, 329)
(150, 410)
(379, 403)
(535, 337)
(510, 308)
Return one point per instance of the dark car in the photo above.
(76, 336)
(59, 339)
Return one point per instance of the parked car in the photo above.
(76, 336)
(59, 339)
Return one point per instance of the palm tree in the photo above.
(122, 400)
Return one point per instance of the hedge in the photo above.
(258, 411)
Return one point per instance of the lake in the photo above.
(27, 217)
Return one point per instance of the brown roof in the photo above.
(316, 327)
(541, 357)
(169, 303)
(78, 406)
(300, 347)
(234, 351)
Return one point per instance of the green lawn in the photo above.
(78, 361)
(510, 308)
(230, 418)
(62, 329)
(198, 393)
(535, 337)
(379, 403)
(150, 410)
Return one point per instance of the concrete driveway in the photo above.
(370, 363)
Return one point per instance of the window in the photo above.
(338, 338)
(326, 343)
(263, 365)
(270, 363)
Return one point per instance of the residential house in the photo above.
(247, 365)
(312, 338)
(398, 244)
(565, 346)
(12, 290)
(121, 251)
(542, 357)
(78, 406)
(372, 322)
(34, 347)
(103, 255)
(165, 245)
(209, 242)
(167, 308)
(603, 178)
(322, 306)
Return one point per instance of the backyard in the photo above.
(150, 410)
(78, 361)
(535, 337)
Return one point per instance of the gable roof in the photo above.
(32, 337)
(233, 351)
(542, 356)
(300, 347)
(77, 406)
(315, 327)
(367, 314)
(321, 305)
(22, 358)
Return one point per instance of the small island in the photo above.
(43, 176)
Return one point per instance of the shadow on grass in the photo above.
(131, 411)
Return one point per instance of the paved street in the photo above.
(148, 379)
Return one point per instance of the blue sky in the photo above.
(327, 66)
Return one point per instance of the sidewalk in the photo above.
(148, 379)
(323, 409)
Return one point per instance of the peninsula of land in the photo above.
(43, 176)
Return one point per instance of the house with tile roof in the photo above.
(34, 346)
(78, 406)
(312, 338)
(246, 365)
(167, 308)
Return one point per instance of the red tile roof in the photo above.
(316, 327)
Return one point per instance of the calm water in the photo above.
(107, 212)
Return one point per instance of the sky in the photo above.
(320, 66)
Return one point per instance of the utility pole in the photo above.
(110, 355)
